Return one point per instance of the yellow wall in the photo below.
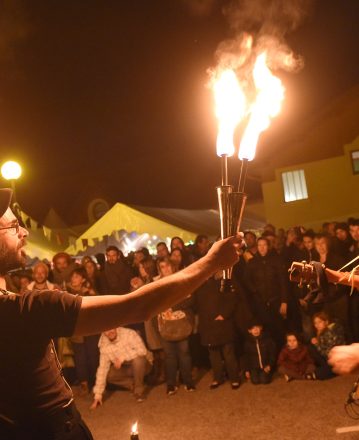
(333, 193)
(256, 209)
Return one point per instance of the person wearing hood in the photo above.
(267, 285)
(259, 355)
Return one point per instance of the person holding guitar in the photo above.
(344, 359)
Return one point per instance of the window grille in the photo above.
(294, 185)
(355, 161)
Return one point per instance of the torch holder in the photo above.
(231, 206)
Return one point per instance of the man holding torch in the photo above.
(35, 400)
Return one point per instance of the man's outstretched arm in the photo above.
(101, 313)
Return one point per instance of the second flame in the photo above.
(270, 94)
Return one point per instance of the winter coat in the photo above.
(335, 262)
(344, 248)
(267, 278)
(309, 256)
(116, 278)
(210, 303)
(291, 253)
(297, 359)
(333, 335)
(259, 352)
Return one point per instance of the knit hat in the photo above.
(254, 322)
(5, 199)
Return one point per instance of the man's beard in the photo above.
(10, 260)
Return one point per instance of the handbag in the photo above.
(175, 325)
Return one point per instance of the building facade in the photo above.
(311, 193)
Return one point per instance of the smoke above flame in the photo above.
(256, 50)
(267, 17)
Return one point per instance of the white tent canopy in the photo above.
(160, 222)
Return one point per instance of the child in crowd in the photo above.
(328, 335)
(259, 355)
(294, 361)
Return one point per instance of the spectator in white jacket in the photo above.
(124, 361)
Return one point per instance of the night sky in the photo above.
(108, 98)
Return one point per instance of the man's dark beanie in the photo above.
(5, 199)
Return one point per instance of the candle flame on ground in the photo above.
(270, 94)
(230, 106)
(134, 429)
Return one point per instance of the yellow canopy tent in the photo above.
(39, 243)
(121, 216)
(39, 247)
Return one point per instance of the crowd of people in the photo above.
(263, 325)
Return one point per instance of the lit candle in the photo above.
(134, 432)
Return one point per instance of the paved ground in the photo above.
(285, 411)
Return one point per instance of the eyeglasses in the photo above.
(13, 229)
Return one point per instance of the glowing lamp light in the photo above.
(11, 170)
(270, 94)
(230, 106)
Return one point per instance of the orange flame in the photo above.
(270, 94)
(134, 429)
(230, 106)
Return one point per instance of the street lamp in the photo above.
(11, 171)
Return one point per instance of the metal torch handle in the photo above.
(231, 206)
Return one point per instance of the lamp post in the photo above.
(11, 171)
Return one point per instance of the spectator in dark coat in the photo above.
(259, 355)
(116, 277)
(266, 281)
(217, 330)
(336, 300)
(343, 242)
(309, 251)
(200, 247)
(293, 249)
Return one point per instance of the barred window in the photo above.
(294, 185)
(355, 161)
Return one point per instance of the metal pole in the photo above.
(243, 175)
(13, 200)
(224, 169)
